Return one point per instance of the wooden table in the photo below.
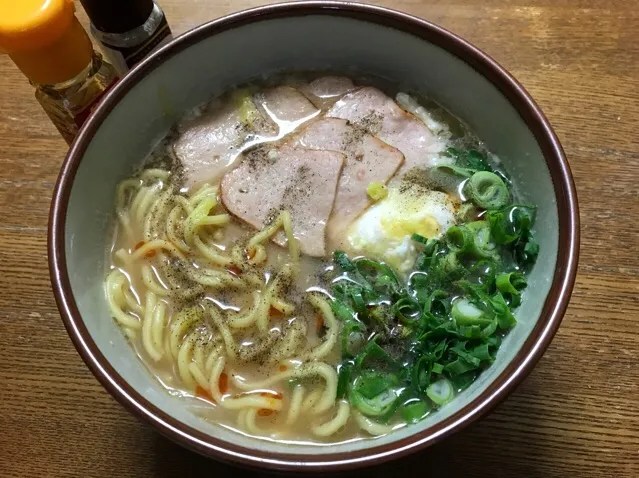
(576, 415)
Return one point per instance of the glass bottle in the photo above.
(127, 30)
(47, 43)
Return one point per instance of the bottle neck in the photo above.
(60, 61)
(134, 36)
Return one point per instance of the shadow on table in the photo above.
(495, 447)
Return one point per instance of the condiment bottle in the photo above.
(127, 30)
(47, 43)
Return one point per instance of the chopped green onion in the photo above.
(440, 392)
(344, 372)
(415, 411)
(487, 190)
(342, 311)
(459, 367)
(373, 384)
(373, 352)
(482, 245)
(438, 303)
(353, 338)
(463, 380)
(467, 313)
(342, 260)
(419, 238)
(502, 312)
(512, 282)
(374, 394)
(454, 170)
(460, 238)
(421, 374)
(406, 310)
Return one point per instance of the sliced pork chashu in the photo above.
(209, 144)
(326, 90)
(300, 180)
(368, 159)
(286, 106)
(373, 110)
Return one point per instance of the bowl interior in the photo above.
(182, 78)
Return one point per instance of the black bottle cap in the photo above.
(118, 16)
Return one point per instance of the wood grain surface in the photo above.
(577, 415)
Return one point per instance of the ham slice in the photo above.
(209, 144)
(300, 180)
(371, 109)
(326, 90)
(368, 159)
(286, 106)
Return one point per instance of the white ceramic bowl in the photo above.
(304, 36)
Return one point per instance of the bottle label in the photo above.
(80, 117)
(124, 58)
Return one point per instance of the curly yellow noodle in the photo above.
(310, 400)
(272, 291)
(157, 328)
(157, 212)
(213, 356)
(229, 342)
(184, 232)
(370, 426)
(336, 423)
(250, 421)
(247, 319)
(215, 278)
(332, 331)
(295, 407)
(210, 253)
(193, 220)
(308, 369)
(113, 284)
(144, 205)
(122, 190)
(198, 375)
(256, 243)
(241, 418)
(132, 302)
(155, 173)
(130, 333)
(183, 321)
(184, 202)
(173, 220)
(150, 281)
(147, 327)
(204, 191)
(184, 359)
(198, 353)
(253, 400)
(284, 307)
(120, 204)
(217, 220)
(138, 197)
(155, 245)
(293, 245)
(290, 343)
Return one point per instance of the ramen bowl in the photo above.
(305, 36)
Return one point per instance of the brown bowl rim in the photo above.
(531, 351)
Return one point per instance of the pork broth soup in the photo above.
(318, 260)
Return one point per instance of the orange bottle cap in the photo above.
(32, 24)
(44, 39)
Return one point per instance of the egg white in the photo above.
(384, 231)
